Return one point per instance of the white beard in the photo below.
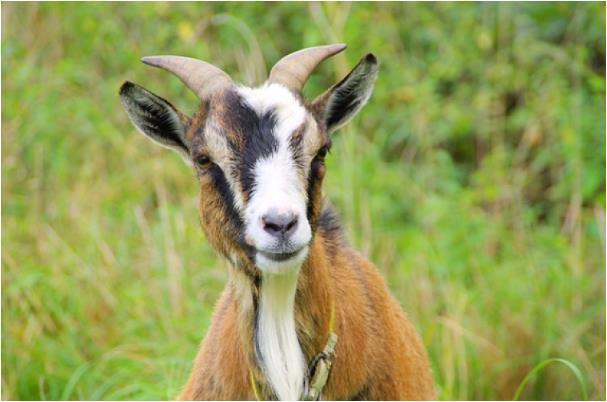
(282, 360)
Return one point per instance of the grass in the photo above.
(474, 179)
(578, 375)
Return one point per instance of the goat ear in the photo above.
(156, 118)
(343, 100)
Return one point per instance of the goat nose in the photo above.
(279, 224)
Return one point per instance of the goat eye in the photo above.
(322, 152)
(203, 160)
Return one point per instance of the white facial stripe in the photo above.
(277, 177)
(278, 172)
(279, 183)
(289, 110)
(279, 186)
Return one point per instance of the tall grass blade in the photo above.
(69, 388)
(541, 365)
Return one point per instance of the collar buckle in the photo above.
(318, 370)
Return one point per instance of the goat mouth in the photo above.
(279, 257)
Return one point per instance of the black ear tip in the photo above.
(126, 87)
(370, 58)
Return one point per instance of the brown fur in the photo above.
(378, 354)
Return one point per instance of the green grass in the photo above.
(474, 179)
(576, 372)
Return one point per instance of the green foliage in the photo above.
(474, 179)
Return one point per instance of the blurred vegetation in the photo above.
(474, 179)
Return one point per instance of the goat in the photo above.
(294, 284)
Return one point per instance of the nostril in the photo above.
(272, 227)
(291, 225)
(279, 224)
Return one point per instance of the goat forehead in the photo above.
(276, 170)
(278, 100)
(263, 117)
(249, 126)
(258, 123)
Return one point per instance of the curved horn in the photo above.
(294, 69)
(201, 77)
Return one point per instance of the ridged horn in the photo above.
(201, 77)
(294, 69)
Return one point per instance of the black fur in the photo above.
(257, 133)
(349, 95)
(312, 189)
(329, 224)
(362, 395)
(225, 192)
(344, 104)
(153, 115)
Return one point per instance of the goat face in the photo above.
(259, 157)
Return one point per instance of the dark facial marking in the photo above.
(254, 137)
(314, 181)
(296, 146)
(225, 192)
(329, 221)
(235, 226)
(315, 176)
(329, 225)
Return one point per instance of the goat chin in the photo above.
(270, 266)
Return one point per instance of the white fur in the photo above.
(277, 97)
(283, 362)
(279, 186)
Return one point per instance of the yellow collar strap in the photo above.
(254, 385)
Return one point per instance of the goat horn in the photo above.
(201, 77)
(294, 69)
